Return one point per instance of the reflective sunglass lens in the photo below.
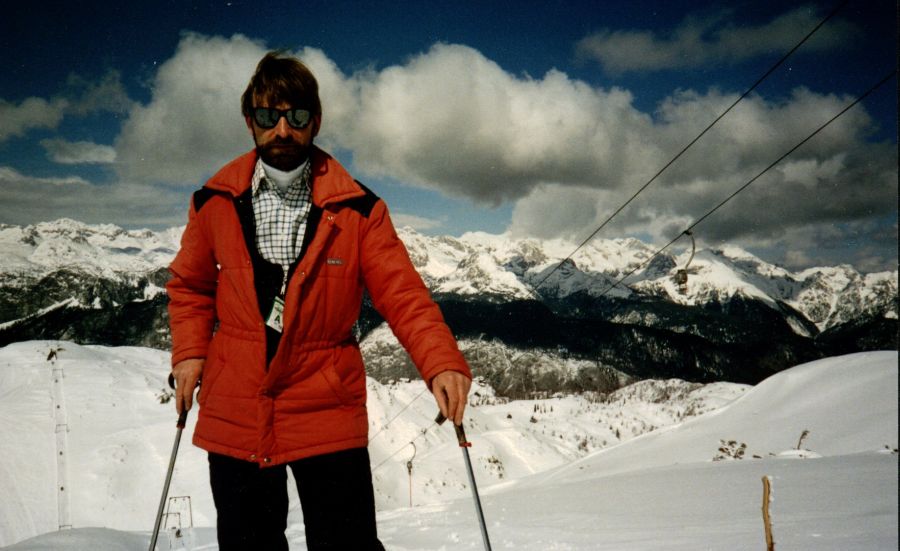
(266, 117)
(298, 118)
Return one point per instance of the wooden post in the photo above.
(767, 520)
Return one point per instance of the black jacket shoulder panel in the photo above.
(364, 204)
(202, 195)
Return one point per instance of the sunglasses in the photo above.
(267, 117)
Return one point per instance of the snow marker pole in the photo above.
(465, 445)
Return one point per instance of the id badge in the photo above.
(276, 315)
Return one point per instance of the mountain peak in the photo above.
(507, 268)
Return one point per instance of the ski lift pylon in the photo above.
(409, 468)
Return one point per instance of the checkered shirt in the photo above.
(280, 219)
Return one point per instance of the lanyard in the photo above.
(275, 319)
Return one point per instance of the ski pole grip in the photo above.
(182, 419)
(461, 437)
(460, 432)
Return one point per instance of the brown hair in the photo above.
(281, 78)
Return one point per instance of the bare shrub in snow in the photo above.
(730, 450)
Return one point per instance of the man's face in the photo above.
(283, 146)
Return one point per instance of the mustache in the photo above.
(283, 154)
(284, 140)
(281, 143)
(282, 148)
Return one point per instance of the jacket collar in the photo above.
(331, 183)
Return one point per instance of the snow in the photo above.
(501, 266)
(102, 249)
(542, 489)
(67, 303)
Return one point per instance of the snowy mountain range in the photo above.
(497, 265)
(655, 465)
(103, 284)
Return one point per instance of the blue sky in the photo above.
(536, 118)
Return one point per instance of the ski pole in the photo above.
(182, 420)
(162, 500)
(465, 445)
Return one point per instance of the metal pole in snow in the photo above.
(465, 445)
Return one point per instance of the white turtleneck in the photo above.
(281, 178)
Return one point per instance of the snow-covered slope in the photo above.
(91, 418)
(848, 405)
(548, 479)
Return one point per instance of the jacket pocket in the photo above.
(337, 386)
(212, 367)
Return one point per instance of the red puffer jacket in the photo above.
(312, 398)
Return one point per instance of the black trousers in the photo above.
(335, 494)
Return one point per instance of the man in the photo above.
(265, 290)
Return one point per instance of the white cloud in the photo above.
(868, 245)
(193, 124)
(10, 177)
(452, 120)
(82, 98)
(29, 199)
(551, 211)
(32, 113)
(566, 154)
(108, 95)
(80, 152)
(418, 223)
(712, 39)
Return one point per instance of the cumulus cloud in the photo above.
(418, 223)
(193, 123)
(10, 177)
(553, 210)
(564, 153)
(699, 41)
(79, 152)
(32, 113)
(107, 95)
(81, 97)
(828, 191)
(454, 121)
(28, 199)
(450, 120)
(869, 245)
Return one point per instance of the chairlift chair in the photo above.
(681, 275)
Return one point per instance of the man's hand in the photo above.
(186, 374)
(451, 390)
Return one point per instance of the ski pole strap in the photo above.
(460, 432)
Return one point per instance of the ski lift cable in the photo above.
(533, 290)
(690, 228)
(404, 408)
(691, 143)
(401, 448)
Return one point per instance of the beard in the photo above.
(283, 153)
